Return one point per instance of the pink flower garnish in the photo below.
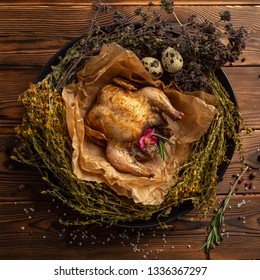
(148, 138)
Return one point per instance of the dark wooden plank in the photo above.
(251, 146)
(134, 3)
(246, 82)
(16, 80)
(31, 231)
(49, 27)
(11, 114)
(18, 181)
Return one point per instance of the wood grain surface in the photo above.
(31, 32)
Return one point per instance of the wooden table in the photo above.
(30, 33)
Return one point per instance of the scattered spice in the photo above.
(236, 175)
(252, 176)
(240, 181)
(21, 187)
(11, 166)
(241, 203)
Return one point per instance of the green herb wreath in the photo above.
(44, 140)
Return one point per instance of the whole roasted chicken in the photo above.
(124, 119)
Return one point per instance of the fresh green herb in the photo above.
(162, 149)
(214, 235)
(162, 141)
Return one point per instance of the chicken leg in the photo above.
(119, 157)
(156, 98)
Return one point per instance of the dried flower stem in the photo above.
(176, 18)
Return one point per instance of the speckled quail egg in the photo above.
(172, 60)
(153, 66)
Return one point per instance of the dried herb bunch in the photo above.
(205, 46)
(46, 143)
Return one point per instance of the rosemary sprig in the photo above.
(214, 235)
(161, 145)
(162, 149)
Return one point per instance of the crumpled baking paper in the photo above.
(89, 159)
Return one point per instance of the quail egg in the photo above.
(172, 60)
(153, 66)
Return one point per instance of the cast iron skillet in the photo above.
(186, 206)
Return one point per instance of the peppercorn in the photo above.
(252, 176)
(21, 187)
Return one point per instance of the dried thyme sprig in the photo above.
(214, 235)
(202, 45)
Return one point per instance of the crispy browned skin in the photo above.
(122, 116)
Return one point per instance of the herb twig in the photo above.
(215, 226)
(162, 149)
(161, 145)
(176, 18)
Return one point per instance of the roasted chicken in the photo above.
(120, 116)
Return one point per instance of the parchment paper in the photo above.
(89, 159)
